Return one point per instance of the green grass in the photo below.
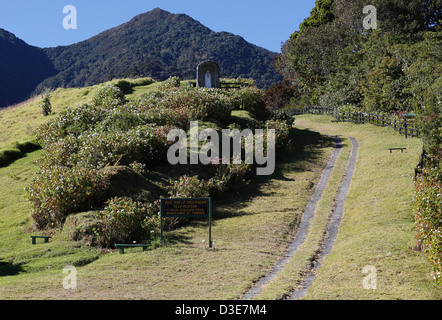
(378, 224)
(250, 232)
(140, 90)
(18, 123)
(17, 255)
(290, 277)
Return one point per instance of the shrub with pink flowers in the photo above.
(428, 213)
(124, 220)
(57, 191)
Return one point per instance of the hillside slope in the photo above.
(155, 44)
(22, 68)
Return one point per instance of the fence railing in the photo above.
(405, 125)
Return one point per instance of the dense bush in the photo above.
(169, 84)
(121, 118)
(223, 178)
(230, 177)
(45, 104)
(177, 107)
(189, 187)
(108, 96)
(428, 213)
(278, 96)
(72, 121)
(282, 133)
(124, 220)
(57, 191)
(80, 143)
(251, 99)
(430, 118)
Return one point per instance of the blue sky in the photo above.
(264, 23)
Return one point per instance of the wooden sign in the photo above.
(185, 207)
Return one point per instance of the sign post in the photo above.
(186, 208)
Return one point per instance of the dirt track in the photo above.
(304, 225)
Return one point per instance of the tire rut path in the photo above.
(304, 225)
(333, 225)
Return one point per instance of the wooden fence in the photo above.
(405, 125)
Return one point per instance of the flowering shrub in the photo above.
(230, 177)
(72, 121)
(145, 144)
(169, 84)
(283, 116)
(45, 104)
(124, 220)
(189, 187)
(161, 115)
(226, 177)
(202, 103)
(428, 213)
(282, 133)
(121, 118)
(138, 167)
(250, 99)
(108, 97)
(81, 141)
(57, 191)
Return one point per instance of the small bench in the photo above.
(391, 149)
(133, 245)
(46, 238)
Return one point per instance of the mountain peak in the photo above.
(156, 44)
(160, 16)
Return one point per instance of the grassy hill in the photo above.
(242, 222)
(19, 122)
(251, 227)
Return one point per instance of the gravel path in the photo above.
(304, 225)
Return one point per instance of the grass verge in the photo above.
(378, 224)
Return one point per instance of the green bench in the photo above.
(133, 245)
(46, 238)
(391, 149)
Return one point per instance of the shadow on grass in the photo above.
(307, 149)
(177, 236)
(9, 269)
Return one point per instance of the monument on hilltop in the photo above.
(207, 74)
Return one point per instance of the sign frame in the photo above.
(207, 214)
